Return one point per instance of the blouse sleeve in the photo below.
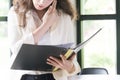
(68, 36)
(72, 33)
(15, 36)
(71, 36)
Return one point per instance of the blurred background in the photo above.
(102, 51)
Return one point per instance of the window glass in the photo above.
(4, 7)
(4, 48)
(98, 7)
(4, 51)
(101, 50)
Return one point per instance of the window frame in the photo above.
(4, 18)
(99, 17)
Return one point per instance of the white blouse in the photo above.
(60, 33)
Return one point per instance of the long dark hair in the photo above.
(22, 6)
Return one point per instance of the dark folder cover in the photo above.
(34, 57)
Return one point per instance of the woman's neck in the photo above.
(41, 13)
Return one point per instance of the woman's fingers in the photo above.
(72, 57)
(49, 10)
(54, 61)
(62, 63)
(63, 58)
(54, 5)
(51, 62)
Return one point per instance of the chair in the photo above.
(96, 71)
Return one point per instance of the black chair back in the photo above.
(95, 71)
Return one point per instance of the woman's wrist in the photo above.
(40, 31)
(71, 69)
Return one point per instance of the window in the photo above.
(95, 7)
(101, 50)
(4, 50)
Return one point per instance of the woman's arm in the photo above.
(67, 35)
(49, 18)
(15, 35)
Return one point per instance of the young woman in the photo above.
(42, 22)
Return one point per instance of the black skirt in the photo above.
(48, 76)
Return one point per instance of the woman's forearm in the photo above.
(39, 32)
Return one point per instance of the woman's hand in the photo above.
(62, 63)
(51, 15)
(48, 19)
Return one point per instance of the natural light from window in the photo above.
(4, 48)
(101, 50)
